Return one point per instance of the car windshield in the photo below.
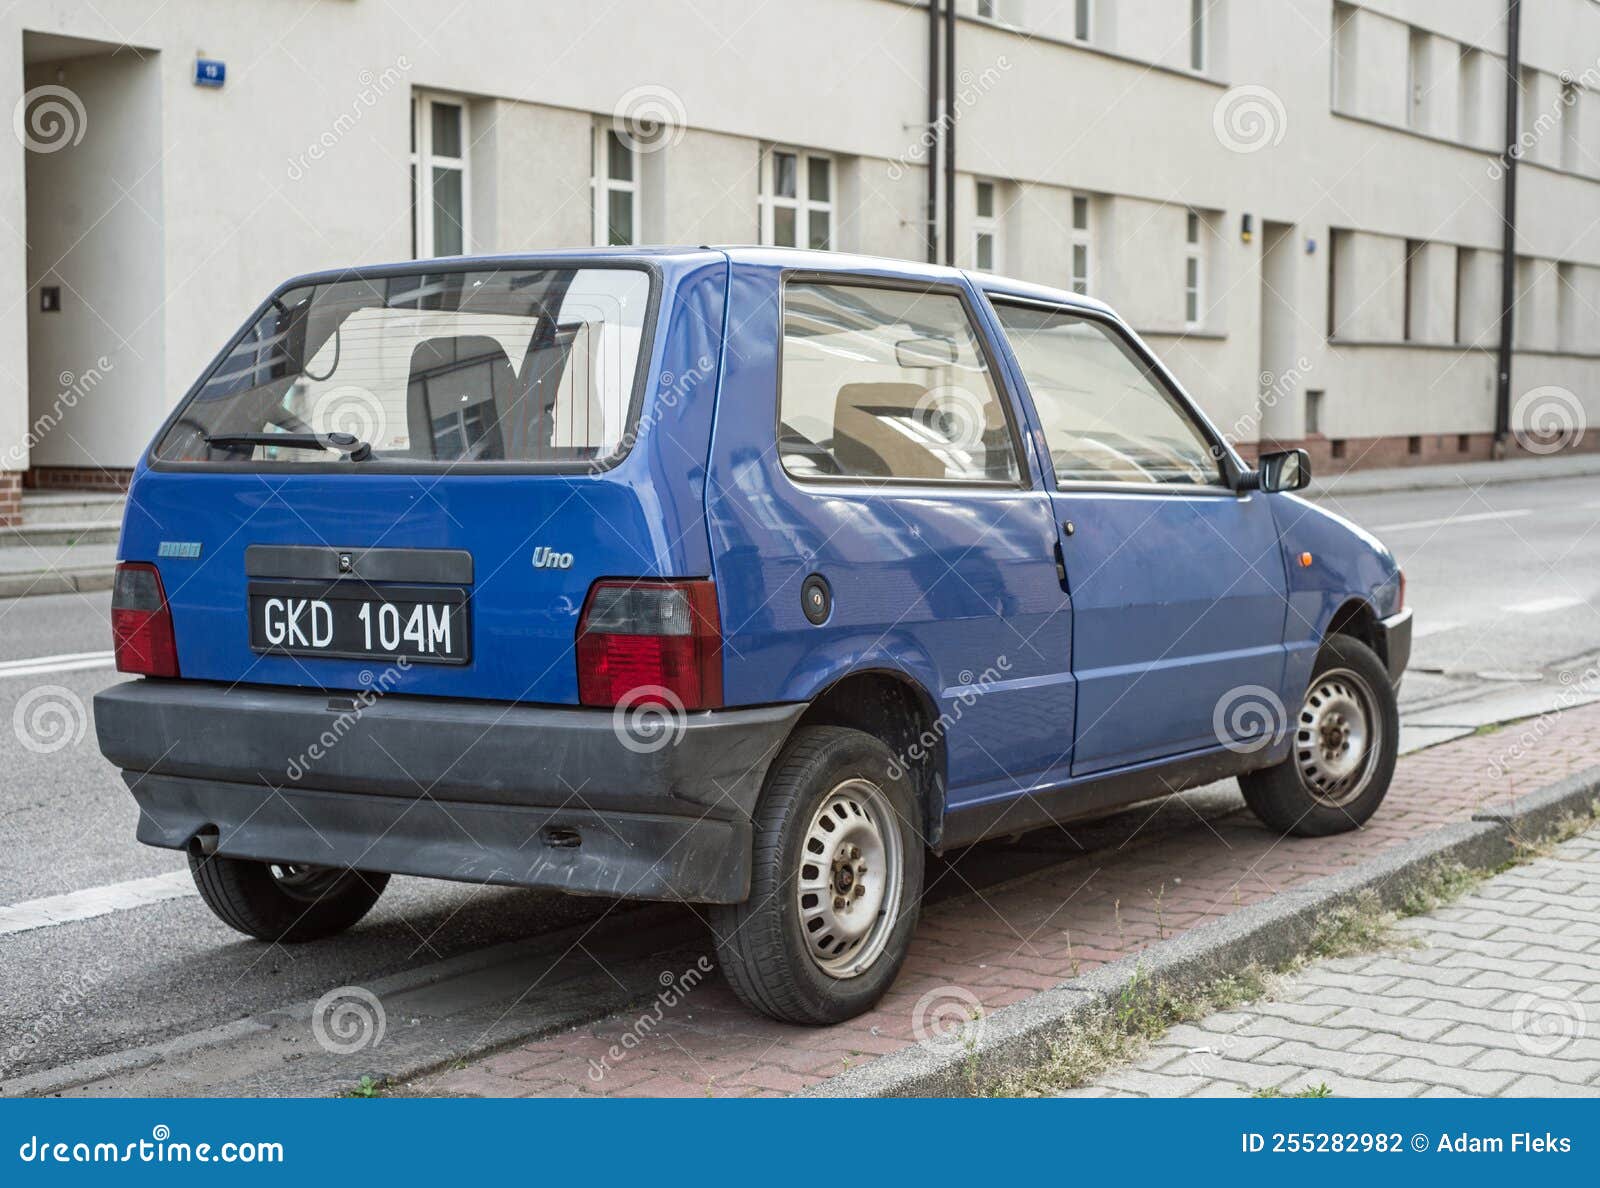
(462, 368)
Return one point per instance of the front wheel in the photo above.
(281, 902)
(836, 882)
(1344, 739)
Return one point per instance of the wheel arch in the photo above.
(896, 709)
(1356, 618)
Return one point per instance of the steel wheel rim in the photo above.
(848, 884)
(1338, 737)
(308, 883)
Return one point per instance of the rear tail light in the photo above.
(642, 642)
(141, 623)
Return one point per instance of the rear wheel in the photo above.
(282, 902)
(836, 882)
(1344, 740)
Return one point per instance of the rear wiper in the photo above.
(358, 450)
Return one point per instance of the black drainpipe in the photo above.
(931, 144)
(950, 132)
(1508, 246)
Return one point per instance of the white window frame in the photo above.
(1194, 256)
(424, 161)
(1199, 35)
(1080, 237)
(603, 185)
(802, 203)
(987, 226)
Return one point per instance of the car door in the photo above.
(1177, 584)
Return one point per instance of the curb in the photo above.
(1351, 483)
(1267, 933)
(57, 581)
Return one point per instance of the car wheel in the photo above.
(1343, 742)
(836, 883)
(281, 902)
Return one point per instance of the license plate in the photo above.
(352, 620)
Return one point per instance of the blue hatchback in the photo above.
(738, 577)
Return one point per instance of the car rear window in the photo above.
(463, 368)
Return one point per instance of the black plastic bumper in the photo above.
(1395, 635)
(533, 796)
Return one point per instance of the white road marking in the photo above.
(1447, 521)
(1543, 606)
(45, 665)
(95, 901)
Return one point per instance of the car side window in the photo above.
(888, 383)
(1106, 416)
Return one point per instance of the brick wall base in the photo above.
(1338, 455)
(76, 478)
(10, 498)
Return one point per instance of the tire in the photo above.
(798, 956)
(1344, 738)
(288, 904)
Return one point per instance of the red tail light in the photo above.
(141, 624)
(650, 641)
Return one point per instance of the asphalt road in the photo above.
(1505, 582)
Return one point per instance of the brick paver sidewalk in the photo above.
(986, 950)
(1502, 999)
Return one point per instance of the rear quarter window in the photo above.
(888, 383)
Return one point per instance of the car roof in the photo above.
(798, 259)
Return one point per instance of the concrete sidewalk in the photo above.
(1445, 475)
(982, 951)
(1500, 997)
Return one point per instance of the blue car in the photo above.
(743, 578)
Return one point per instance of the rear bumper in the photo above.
(533, 796)
(1395, 635)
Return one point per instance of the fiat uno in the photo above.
(743, 578)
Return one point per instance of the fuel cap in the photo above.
(816, 599)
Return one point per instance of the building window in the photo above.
(1082, 240)
(1083, 20)
(1571, 128)
(797, 199)
(1468, 93)
(986, 9)
(1413, 290)
(1417, 82)
(1197, 35)
(438, 176)
(1343, 74)
(1194, 270)
(986, 227)
(614, 172)
(1313, 412)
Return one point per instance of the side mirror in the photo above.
(1286, 470)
